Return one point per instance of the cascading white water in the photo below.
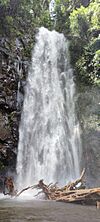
(49, 138)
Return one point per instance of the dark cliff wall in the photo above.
(13, 71)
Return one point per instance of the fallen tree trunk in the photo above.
(71, 193)
(86, 196)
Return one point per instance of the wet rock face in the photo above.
(4, 127)
(91, 154)
(8, 126)
(89, 116)
(8, 89)
(12, 77)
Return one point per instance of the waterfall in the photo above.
(49, 135)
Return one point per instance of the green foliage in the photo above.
(94, 15)
(79, 23)
(9, 20)
(4, 2)
(68, 5)
(96, 64)
(84, 69)
(62, 12)
(23, 16)
(45, 20)
(20, 19)
(88, 66)
(83, 21)
(96, 59)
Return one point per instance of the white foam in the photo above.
(49, 135)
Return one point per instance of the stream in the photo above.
(16, 210)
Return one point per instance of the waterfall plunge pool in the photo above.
(12, 210)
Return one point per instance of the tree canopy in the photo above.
(79, 21)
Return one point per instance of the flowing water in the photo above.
(49, 135)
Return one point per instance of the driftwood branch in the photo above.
(73, 185)
(70, 193)
(20, 192)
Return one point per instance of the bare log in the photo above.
(73, 185)
(20, 192)
(86, 196)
